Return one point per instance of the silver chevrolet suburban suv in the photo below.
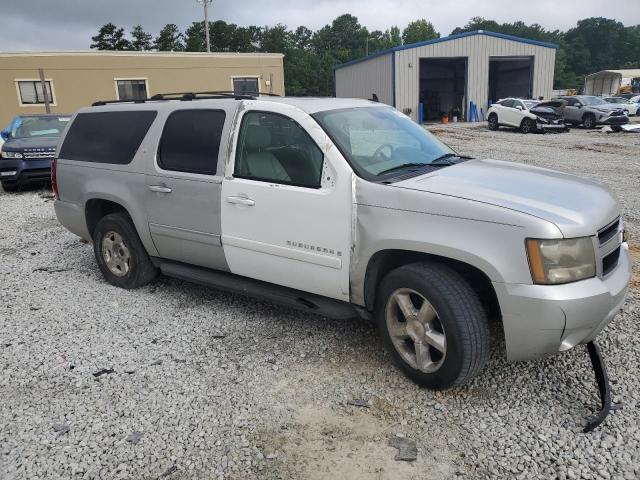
(337, 207)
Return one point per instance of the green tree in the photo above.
(194, 38)
(419, 31)
(110, 37)
(169, 39)
(141, 40)
(274, 39)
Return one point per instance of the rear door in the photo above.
(287, 207)
(184, 184)
(571, 112)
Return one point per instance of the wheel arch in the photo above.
(384, 261)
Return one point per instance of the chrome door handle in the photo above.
(159, 189)
(241, 201)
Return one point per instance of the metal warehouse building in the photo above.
(446, 74)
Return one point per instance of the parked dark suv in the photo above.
(30, 145)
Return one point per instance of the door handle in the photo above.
(159, 189)
(241, 201)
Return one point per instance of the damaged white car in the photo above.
(528, 116)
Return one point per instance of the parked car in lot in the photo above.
(30, 144)
(591, 111)
(337, 206)
(526, 115)
(629, 106)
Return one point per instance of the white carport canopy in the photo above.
(607, 82)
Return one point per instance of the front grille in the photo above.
(38, 155)
(616, 113)
(610, 262)
(607, 233)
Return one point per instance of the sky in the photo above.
(70, 24)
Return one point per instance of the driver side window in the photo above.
(275, 148)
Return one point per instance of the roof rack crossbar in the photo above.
(189, 96)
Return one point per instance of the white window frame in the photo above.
(123, 79)
(257, 77)
(52, 103)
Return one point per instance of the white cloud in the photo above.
(69, 24)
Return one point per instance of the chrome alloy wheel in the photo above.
(415, 330)
(115, 254)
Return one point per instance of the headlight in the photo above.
(542, 120)
(11, 154)
(561, 261)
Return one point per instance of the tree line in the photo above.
(593, 44)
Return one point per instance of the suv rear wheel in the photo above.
(120, 254)
(433, 324)
(493, 122)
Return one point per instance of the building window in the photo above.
(132, 89)
(31, 93)
(245, 85)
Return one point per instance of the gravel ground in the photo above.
(176, 381)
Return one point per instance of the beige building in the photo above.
(77, 79)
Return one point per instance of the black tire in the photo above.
(139, 269)
(527, 126)
(461, 318)
(589, 120)
(10, 187)
(493, 122)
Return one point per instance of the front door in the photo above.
(286, 203)
(183, 187)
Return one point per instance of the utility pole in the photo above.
(45, 91)
(205, 4)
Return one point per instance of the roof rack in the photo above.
(189, 96)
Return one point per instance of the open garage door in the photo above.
(443, 83)
(510, 77)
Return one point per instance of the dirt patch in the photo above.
(347, 442)
(602, 147)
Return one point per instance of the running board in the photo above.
(306, 302)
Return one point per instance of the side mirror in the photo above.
(578, 105)
(518, 107)
(4, 134)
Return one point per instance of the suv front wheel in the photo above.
(120, 254)
(433, 324)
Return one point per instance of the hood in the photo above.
(552, 106)
(609, 107)
(20, 144)
(577, 206)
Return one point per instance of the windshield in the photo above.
(29, 127)
(592, 101)
(617, 100)
(379, 141)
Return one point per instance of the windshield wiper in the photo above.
(443, 159)
(400, 167)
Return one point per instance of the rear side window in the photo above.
(508, 103)
(106, 137)
(191, 141)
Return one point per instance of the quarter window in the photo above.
(135, 89)
(274, 148)
(245, 85)
(106, 137)
(31, 92)
(191, 141)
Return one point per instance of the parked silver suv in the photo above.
(591, 111)
(337, 206)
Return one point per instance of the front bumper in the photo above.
(25, 171)
(541, 320)
(614, 120)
